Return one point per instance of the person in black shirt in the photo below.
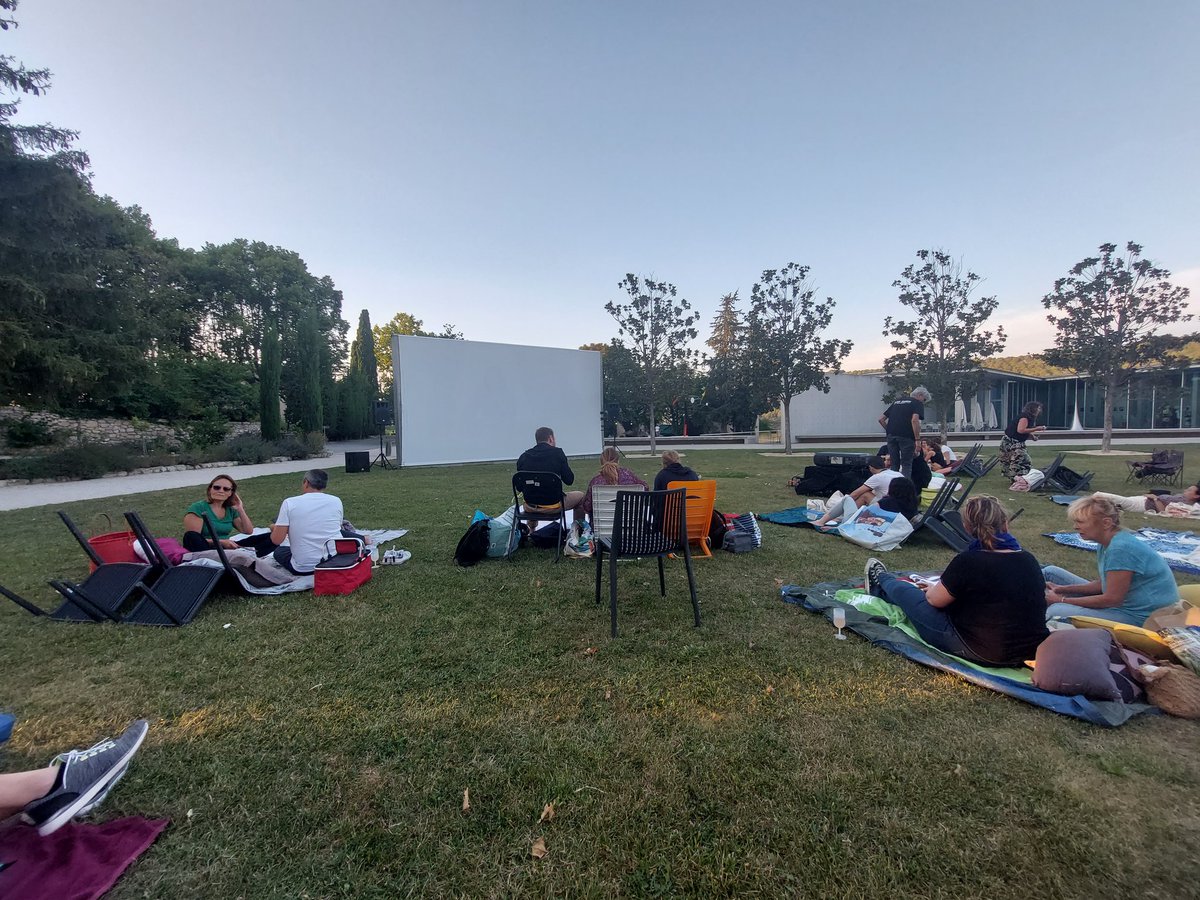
(989, 606)
(545, 456)
(1014, 459)
(902, 424)
(673, 470)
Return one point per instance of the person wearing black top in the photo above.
(673, 470)
(1014, 459)
(989, 606)
(902, 424)
(545, 456)
(901, 497)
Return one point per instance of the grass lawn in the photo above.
(320, 747)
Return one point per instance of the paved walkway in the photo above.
(23, 496)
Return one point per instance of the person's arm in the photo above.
(279, 529)
(1075, 590)
(1031, 431)
(916, 424)
(1119, 581)
(192, 522)
(240, 519)
(567, 476)
(883, 421)
(937, 596)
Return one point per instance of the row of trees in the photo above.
(1108, 316)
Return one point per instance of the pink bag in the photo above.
(171, 549)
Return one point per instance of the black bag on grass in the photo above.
(473, 546)
(548, 536)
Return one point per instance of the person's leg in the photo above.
(893, 445)
(195, 542)
(1066, 610)
(932, 624)
(1057, 575)
(906, 448)
(1131, 504)
(273, 571)
(19, 789)
(572, 499)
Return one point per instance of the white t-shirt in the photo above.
(312, 519)
(948, 454)
(878, 483)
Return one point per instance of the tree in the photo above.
(943, 346)
(786, 324)
(308, 406)
(1109, 312)
(402, 323)
(725, 390)
(658, 326)
(268, 385)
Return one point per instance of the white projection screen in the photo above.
(470, 401)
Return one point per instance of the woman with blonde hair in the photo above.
(611, 472)
(988, 606)
(673, 470)
(1134, 580)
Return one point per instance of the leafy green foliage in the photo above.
(786, 327)
(25, 433)
(207, 429)
(307, 408)
(1107, 314)
(727, 392)
(247, 449)
(944, 344)
(268, 386)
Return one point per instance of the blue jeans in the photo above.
(932, 624)
(1058, 575)
(901, 450)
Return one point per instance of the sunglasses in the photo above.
(220, 487)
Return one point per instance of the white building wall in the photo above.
(852, 407)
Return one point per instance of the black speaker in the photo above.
(358, 461)
(383, 412)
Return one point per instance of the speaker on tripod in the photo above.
(383, 418)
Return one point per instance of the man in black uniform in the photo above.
(902, 423)
(545, 456)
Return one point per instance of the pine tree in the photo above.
(309, 415)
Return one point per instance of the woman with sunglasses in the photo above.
(223, 507)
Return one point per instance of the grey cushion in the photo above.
(1076, 661)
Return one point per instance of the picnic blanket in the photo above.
(1065, 499)
(77, 862)
(1178, 548)
(886, 626)
(794, 517)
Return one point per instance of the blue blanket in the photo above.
(795, 517)
(822, 599)
(1173, 546)
(1065, 499)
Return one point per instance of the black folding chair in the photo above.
(931, 518)
(98, 597)
(177, 595)
(650, 523)
(1062, 480)
(538, 497)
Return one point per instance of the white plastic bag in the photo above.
(875, 528)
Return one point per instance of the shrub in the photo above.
(23, 433)
(247, 449)
(82, 461)
(207, 430)
(315, 440)
(292, 447)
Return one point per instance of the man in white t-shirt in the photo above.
(304, 524)
(874, 488)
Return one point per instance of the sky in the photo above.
(501, 166)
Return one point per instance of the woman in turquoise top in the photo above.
(223, 507)
(1134, 580)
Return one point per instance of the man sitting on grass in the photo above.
(1153, 503)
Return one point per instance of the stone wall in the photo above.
(107, 431)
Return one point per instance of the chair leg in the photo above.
(599, 565)
(21, 602)
(687, 562)
(612, 590)
(662, 581)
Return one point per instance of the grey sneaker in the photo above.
(871, 573)
(84, 779)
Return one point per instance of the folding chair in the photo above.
(538, 497)
(701, 497)
(177, 595)
(604, 505)
(931, 518)
(966, 465)
(652, 523)
(98, 597)
(1163, 467)
(1062, 480)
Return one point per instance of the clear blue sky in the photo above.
(500, 166)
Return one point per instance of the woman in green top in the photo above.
(223, 507)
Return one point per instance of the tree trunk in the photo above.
(653, 443)
(787, 426)
(1109, 397)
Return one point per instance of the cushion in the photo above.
(1140, 639)
(1075, 661)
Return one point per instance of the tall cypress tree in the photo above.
(362, 379)
(268, 385)
(310, 414)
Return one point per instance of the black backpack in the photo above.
(473, 546)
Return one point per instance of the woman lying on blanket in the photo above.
(989, 605)
(223, 507)
(1134, 580)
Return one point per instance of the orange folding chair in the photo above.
(701, 496)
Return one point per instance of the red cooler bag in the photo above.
(346, 566)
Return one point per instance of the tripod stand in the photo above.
(381, 459)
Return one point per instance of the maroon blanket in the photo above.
(77, 862)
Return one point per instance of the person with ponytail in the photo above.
(989, 606)
(610, 473)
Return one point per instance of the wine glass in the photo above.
(839, 622)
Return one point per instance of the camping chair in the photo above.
(931, 518)
(701, 497)
(604, 506)
(646, 523)
(1060, 479)
(538, 497)
(1163, 467)
(177, 595)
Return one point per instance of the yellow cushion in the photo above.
(1140, 639)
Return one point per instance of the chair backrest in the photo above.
(154, 554)
(701, 496)
(650, 523)
(538, 488)
(604, 506)
(1174, 459)
(83, 541)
